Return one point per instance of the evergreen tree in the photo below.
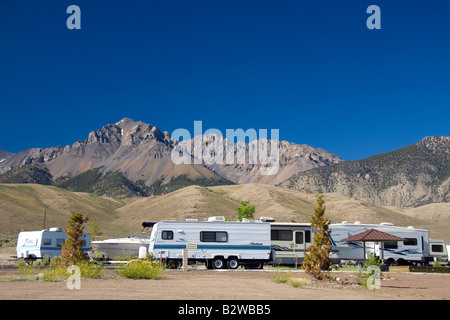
(317, 260)
(71, 251)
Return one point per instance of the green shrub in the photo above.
(91, 270)
(282, 277)
(142, 269)
(53, 274)
(299, 282)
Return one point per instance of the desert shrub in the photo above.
(142, 269)
(298, 282)
(282, 277)
(372, 261)
(91, 270)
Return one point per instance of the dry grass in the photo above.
(22, 208)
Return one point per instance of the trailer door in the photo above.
(299, 241)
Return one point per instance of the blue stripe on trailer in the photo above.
(45, 248)
(204, 246)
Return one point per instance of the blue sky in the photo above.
(311, 69)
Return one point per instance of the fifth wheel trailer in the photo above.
(415, 249)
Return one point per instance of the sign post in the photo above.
(189, 246)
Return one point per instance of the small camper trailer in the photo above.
(218, 243)
(45, 243)
(438, 250)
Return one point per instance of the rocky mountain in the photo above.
(290, 159)
(142, 155)
(415, 175)
(4, 155)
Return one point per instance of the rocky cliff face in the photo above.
(290, 159)
(143, 152)
(411, 176)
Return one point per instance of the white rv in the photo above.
(291, 240)
(34, 245)
(216, 242)
(415, 249)
(439, 251)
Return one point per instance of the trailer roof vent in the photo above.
(55, 229)
(386, 224)
(216, 219)
(357, 222)
(266, 219)
(344, 222)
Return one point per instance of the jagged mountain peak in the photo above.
(142, 152)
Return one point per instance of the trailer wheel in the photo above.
(233, 263)
(391, 262)
(401, 262)
(176, 264)
(218, 263)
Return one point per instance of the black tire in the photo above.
(176, 264)
(218, 263)
(233, 263)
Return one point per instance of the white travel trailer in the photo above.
(415, 249)
(216, 242)
(439, 251)
(34, 245)
(290, 242)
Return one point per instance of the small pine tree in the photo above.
(95, 228)
(71, 251)
(246, 210)
(317, 260)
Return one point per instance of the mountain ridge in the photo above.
(142, 153)
(411, 176)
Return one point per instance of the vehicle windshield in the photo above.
(140, 235)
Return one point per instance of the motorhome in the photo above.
(415, 249)
(290, 241)
(34, 245)
(217, 243)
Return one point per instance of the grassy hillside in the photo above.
(282, 204)
(22, 208)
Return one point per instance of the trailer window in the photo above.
(167, 235)
(437, 248)
(307, 236)
(410, 242)
(390, 245)
(281, 235)
(299, 237)
(213, 236)
(60, 242)
(46, 242)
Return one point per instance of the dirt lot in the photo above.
(228, 285)
(225, 285)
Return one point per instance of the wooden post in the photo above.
(185, 260)
(364, 248)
